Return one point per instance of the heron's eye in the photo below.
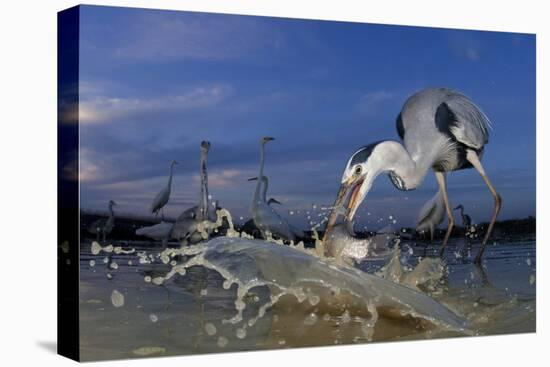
(358, 170)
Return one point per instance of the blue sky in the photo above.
(153, 84)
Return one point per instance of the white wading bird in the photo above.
(158, 232)
(103, 226)
(164, 195)
(265, 185)
(441, 129)
(431, 215)
(264, 216)
(185, 227)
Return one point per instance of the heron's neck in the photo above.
(170, 176)
(111, 212)
(264, 188)
(261, 174)
(204, 187)
(399, 163)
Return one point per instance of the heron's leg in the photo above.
(441, 180)
(474, 160)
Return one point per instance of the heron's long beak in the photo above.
(252, 179)
(355, 199)
(337, 208)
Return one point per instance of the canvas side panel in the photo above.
(67, 183)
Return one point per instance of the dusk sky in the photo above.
(154, 84)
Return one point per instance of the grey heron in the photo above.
(185, 227)
(440, 129)
(265, 185)
(264, 215)
(164, 195)
(431, 215)
(104, 226)
(466, 220)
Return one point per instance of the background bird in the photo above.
(442, 130)
(264, 215)
(263, 190)
(104, 226)
(164, 195)
(466, 220)
(158, 232)
(185, 227)
(431, 215)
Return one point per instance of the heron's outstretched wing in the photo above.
(465, 121)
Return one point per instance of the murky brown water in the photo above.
(289, 298)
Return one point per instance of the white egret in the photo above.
(266, 219)
(185, 227)
(103, 226)
(431, 215)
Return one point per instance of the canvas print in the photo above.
(224, 183)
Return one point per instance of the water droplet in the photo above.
(117, 298)
(92, 263)
(204, 292)
(222, 341)
(96, 248)
(311, 319)
(314, 299)
(153, 317)
(210, 329)
(241, 333)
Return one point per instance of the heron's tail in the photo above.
(431, 214)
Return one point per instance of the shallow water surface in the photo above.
(232, 294)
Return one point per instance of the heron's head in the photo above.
(174, 162)
(205, 146)
(265, 139)
(459, 207)
(112, 203)
(361, 169)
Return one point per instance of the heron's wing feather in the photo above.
(400, 127)
(464, 121)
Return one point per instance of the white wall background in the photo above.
(28, 180)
